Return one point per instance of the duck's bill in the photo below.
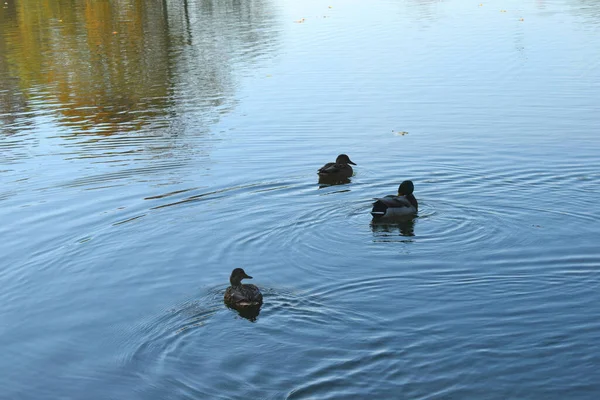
(248, 276)
(350, 162)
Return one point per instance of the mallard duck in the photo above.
(338, 170)
(242, 296)
(402, 205)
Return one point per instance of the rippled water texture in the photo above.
(149, 147)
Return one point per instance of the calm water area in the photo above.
(147, 148)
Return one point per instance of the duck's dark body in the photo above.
(243, 296)
(394, 206)
(403, 205)
(400, 201)
(336, 170)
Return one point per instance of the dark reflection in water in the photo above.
(249, 313)
(405, 227)
(326, 181)
(103, 67)
(12, 99)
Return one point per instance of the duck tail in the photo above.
(379, 208)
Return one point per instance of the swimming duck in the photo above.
(402, 205)
(338, 170)
(242, 296)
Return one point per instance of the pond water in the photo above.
(149, 147)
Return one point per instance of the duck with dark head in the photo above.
(338, 171)
(403, 205)
(240, 296)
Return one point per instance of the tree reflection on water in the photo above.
(104, 67)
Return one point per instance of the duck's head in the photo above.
(237, 275)
(405, 188)
(343, 159)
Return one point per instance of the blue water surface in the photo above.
(148, 148)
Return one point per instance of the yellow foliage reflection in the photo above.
(109, 65)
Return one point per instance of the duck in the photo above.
(402, 205)
(242, 296)
(338, 170)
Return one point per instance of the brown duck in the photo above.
(242, 296)
(339, 169)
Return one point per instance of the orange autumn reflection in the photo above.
(66, 52)
(108, 66)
